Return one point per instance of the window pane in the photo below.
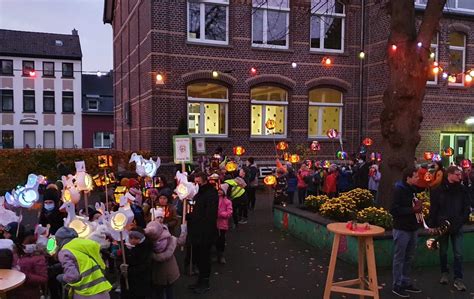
(49, 139)
(277, 28)
(194, 17)
(29, 139)
(48, 101)
(7, 67)
(313, 118)
(330, 118)
(193, 118)
(207, 91)
(456, 39)
(68, 139)
(28, 101)
(48, 69)
(98, 139)
(276, 113)
(7, 100)
(7, 139)
(325, 95)
(315, 32)
(68, 102)
(257, 28)
(214, 118)
(326, 7)
(68, 70)
(256, 119)
(215, 28)
(107, 140)
(466, 4)
(456, 64)
(28, 66)
(268, 93)
(271, 3)
(333, 33)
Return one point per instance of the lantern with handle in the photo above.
(466, 163)
(448, 152)
(269, 180)
(367, 141)
(428, 156)
(315, 146)
(282, 146)
(294, 158)
(239, 150)
(332, 133)
(270, 124)
(231, 166)
(436, 158)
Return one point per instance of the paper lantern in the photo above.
(428, 177)
(270, 124)
(282, 146)
(231, 166)
(82, 229)
(373, 156)
(341, 155)
(436, 158)
(25, 196)
(466, 163)
(428, 156)
(315, 146)
(119, 192)
(286, 156)
(145, 167)
(239, 150)
(448, 152)
(270, 180)
(51, 245)
(118, 221)
(105, 161)
(327, 164)
(332, 133)
(294, 158)
(367, 141)
(378, 157)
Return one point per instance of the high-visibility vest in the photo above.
(87, 254)
(236, 190)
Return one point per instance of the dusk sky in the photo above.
(61, 16)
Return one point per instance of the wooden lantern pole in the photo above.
(106, 193)
(124, 260)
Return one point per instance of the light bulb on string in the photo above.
(419, 44)
(253, 71)
(215, 74)
(436, 68)
(326, 61)
(471, 73)
(432, 55)
(160, 79)
(452, 79)
(445, 75)
(294, 65)
(468, 78)
(394, 47)
(362, 55)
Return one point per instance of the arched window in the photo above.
(457, 56)
(268, 102)
(325, 111)
(207, 109)
(327, 26)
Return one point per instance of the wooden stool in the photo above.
(9, 280)
(367, 287)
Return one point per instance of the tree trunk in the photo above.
(409, 66)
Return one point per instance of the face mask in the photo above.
(30, 248)
(49, 206)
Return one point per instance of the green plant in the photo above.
(362, 198)
(342, 208)
(313, 203)
(376, 216)
(425, 202)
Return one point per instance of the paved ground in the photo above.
(263, 262)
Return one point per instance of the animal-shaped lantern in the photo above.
(315, 146)
(326, 164)
(145, 167)
(185, 189)
(367, 141)
(428, 156)
(282, 146)
(25, 196)
(81, 225)
(71, 192)
(6, 216)
(239, 150)
(332, 133)
(83, 179)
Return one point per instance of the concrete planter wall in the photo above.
(311, 228)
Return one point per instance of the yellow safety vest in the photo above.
(236, 190)
(87, 254)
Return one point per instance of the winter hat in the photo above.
(153, 191)
(12, 228)
(153, 230)
(375, 166)
(157, 213)
(224, 188)
(51, 193)
(133, 183)
(137, 233)
(64, 235)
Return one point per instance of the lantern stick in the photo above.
(106, 193)
(19, 222)
(124, 260)
(183, 221)
(183, 167)
(340, 142)
(86, 201)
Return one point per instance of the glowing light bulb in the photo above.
(32, 73)
(445, 75)
(394, 47)
(327, 61)
(468, 78)
(432, 55)
(160, 79)
(452, 79)
(362, 55)
(294, 65)
(419, 44)
(215, 74)
(253, 71)
(99, 74)
(471, 73)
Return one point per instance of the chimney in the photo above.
(74, 31)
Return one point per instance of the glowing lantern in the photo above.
(341, 155)
(466, 163)
(286, 156)
(448, 152)
(105, 161)
(118, 221)
(436, 68)
(270, 180)
(51, 245)
(367, 141)
(428, 177)
(282, 146)
(332, 133)
(119, 192)
(315, 146)
(436, 158)
(376, 157)
(239, 150)
(452, 79)
(379, 157)
(231, 166)
(326, 164)
(294, 158)
(394, 47)
(81, 227)
(428, 156)
(468, 78)
(326, 61)
(270, 124)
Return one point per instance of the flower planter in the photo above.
(311, 228)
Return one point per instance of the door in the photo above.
(461, 144)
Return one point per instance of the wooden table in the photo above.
(367, 287)
(9, 280)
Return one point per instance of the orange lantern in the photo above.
(294, 158)
(282, 145)
(315, 146)
(367, 141)
(270, 124)
(466, 163)
(239, 150)
(448, 152)
(428, 156)
(332, 133)
(231, 166)
(286, 156)
(270, 180)
(105, 161)
(428, 177)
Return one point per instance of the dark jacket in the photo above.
(138, 215)
(139, 260)
(361, 176)
(202, 221)
(404, 217)
(54, 218)
(449, 202)
(292, 182)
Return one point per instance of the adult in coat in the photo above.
(50, 213)
(202, 229)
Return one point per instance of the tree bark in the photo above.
(409, 67)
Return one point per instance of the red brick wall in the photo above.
(95, 123)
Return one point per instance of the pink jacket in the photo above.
(224, 212)
(301, 175)
(35, 269)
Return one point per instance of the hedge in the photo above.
(16, 164)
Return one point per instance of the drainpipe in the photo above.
(361, 70)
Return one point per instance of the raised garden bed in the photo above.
(311, 228)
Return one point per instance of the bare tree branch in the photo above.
(433, 13)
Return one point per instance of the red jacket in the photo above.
(301, 175)
(36, 271)
(330, 183)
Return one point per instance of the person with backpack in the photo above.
(253, 182)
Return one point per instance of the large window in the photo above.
(459, 5)
(68, 70)
(457, 56)
(207, 109)
(28, 101)
(7, 139)
(48, 101)
(103, 139)
(48, 69)
(29, 139)
(208, 21)
(68, 102)
(49, 139)
(6, 67)
(68, 139)
(6, 98)
(28, 68)
(268, 102)
(325, 111)
(270, 19)
(433, 77)
(327, 26)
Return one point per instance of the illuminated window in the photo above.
(268, 102)
(327, 26)
(270, 19)
(207, 109)
(432, 77)
(325, 111)
(208, 21)
(457, 56)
